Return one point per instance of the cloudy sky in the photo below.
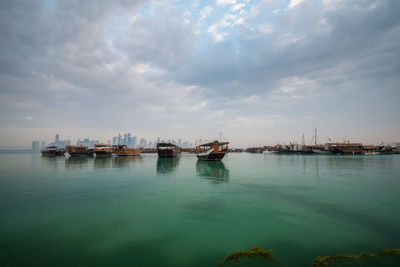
(261, 72)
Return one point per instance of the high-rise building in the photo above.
(134, 141)
(129, 140)
(43, 145)
(35, 146)
(119, 139)
(142, 142)
(125, 141)
(57, 139)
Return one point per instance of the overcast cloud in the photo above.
(259, 71)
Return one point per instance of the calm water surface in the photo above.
(145, 211)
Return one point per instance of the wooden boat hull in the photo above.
(347, 151)
(83, 153)
(129, 152)
(213, 156)
(103, 153)
(173, 152)
(53, 153)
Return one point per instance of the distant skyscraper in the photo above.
(125, 141)
(129, 140)
(119, 139)
(35, 146)
(142, 142)
(134, 140)
(43, 144)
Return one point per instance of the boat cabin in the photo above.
(214, 146)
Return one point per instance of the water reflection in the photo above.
(77, 162)
(102, 162)
(49, 160)
(214, 170)
(167, 165)
(125, 161)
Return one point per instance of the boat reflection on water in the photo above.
(213, 170)
(102, 162)
(120, 162)
(77, 161)
(50, 161)
(167, 165)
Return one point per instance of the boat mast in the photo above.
(315, 136)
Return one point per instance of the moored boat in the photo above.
(214, 151)
(346, 148)
(102, 150)
(52, 151)
(124, 150)
(320, 150)
(168, 150)
(79, 151)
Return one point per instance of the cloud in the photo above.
(237, 7)
(294, 3)
(73, 65)
(225, 2)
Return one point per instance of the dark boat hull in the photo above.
(52, 153)
(127, 152)
(103, 153)
(347, 151)
(166, 153)
(213, 156)
(76, 154)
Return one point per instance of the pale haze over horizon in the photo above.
(260, 72)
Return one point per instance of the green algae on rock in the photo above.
(253, 252)
(326, 260)
(390, 252)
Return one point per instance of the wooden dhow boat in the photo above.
(168, 150)
(52, 151)
(79, 151)
(124, 150)
(102, 150)
(214, 151)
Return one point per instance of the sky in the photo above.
(261, 72)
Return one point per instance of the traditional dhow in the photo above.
(79, 151)
(214, 151)
(345, 148)
(52, 151)
(102, 150)
(168, 150)
(124, 150)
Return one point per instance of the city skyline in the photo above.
(261, 72)
(121, 139)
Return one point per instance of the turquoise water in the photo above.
(145, 211)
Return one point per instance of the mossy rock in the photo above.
(326, 260)
(253, 252)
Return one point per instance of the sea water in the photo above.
(146, 211)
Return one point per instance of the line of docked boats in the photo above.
(328, 148)
(213, 151)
